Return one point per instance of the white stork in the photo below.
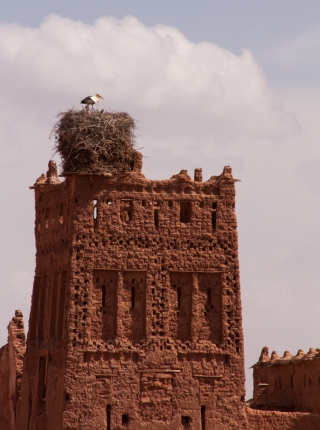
(91, 100)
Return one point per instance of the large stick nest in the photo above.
(94, 142)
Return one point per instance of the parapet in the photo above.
(265, 360)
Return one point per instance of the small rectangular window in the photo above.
(185, 212)
(203, 418)
(42, 379)
(209, 296)
(108, 417)
(185, 420)
(95, 210)
(179, 297)
(103, 288)
(125, 419)
(133, 296)
(156, 218)
(214, 221)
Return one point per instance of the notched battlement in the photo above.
(287, 358)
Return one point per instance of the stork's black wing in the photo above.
(87, 101)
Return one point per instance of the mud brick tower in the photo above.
(136, 312)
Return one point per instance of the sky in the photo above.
(211, 83)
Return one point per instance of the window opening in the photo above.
(103, 295)
(95, 210)
(209, 296)
(125, 419)
(185, 420)
(214, 221)
(156, 218)
(185, 212)
(179, 297)
(42, 378)
(108, 417)
(133, 294)
(203, 418)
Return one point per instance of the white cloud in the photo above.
(194, 88)
(198, 105)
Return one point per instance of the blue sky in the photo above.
(211, 83)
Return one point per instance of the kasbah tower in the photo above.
(136, 318)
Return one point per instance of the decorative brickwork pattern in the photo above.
(136, 311)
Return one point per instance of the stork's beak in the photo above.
(100, 97)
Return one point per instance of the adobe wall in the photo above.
(288, 382)
(43, 396)
(136, 308)
(11, 363)
(271, 420)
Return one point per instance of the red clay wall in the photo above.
(291, 383)
(269, 420)
(11, 363)
(136, 310)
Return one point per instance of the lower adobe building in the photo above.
(136, 318)
(289, 383)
